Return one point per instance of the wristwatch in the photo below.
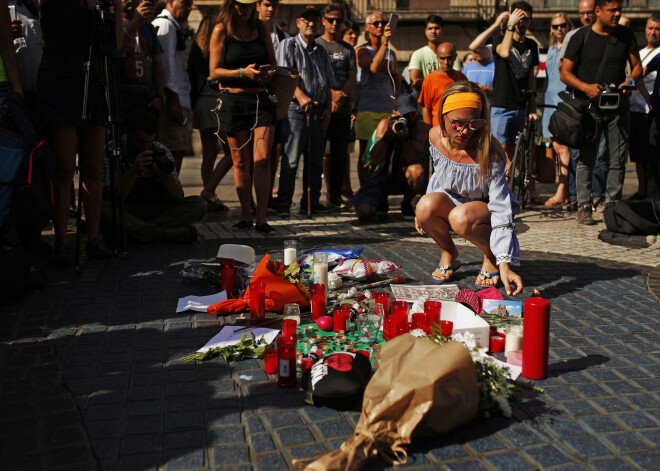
(509, 27)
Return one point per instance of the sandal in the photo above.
(483, 276)
(443, 272)
(214, 204)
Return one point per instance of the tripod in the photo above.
(111, 86)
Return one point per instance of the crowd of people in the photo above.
(350, 89)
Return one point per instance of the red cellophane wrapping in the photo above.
(279, 292)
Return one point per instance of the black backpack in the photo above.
(633, 217)
(36, 189)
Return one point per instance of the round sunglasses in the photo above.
(472, 124)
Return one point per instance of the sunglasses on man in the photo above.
(378, 24)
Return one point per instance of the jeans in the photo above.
(614, 126)
(572, 168)
(338, 133)
(599, 179)
(294, 138)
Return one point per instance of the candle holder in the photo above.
(257, 300)
(399, 311)
(286, 374)
(317, 300)
(384, 299)
(433, 310)
(227, 276)
(447, 328)
(270, 361)
(292, 311)
(320, 273)
(290, 252)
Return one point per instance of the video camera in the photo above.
(161, 161)
(609, 99)
(400, 125)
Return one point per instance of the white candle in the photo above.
(289, 255)
(321, 273)
(514, 339)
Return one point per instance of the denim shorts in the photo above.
(506, 123)
(60, 91)
(239, 111)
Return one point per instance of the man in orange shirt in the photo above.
(436, 83)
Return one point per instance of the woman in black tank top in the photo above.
(240, 48)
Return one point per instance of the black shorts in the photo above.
(60, 90)
(239, 111)
(640, 130)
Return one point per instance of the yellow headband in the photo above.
(461, 100)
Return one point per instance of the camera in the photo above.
(400, 125)
(161, 161)
(609, 98)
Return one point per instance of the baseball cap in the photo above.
(309, 9)
(407, 104)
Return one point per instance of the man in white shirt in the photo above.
(176, 115)
(640, 120)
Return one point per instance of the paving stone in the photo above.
(294, 435)
(587, 447)
(188, 459)
(226, 434)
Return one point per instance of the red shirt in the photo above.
(433, 87)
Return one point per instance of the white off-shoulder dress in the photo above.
(461, 182)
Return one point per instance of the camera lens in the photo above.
(400, 125)
(161, 161)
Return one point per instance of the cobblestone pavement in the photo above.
(92, 376)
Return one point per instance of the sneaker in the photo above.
(570, 205)
(598, 204)
(265, 228)
(338, 204)
(62, 256)
(407, 211)
(98, 248)
(241, 226)
(584, 215)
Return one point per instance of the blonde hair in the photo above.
(561, 14)
(487, 146)
(226, 17)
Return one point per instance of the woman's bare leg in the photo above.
(564, 154)
(432, 217)
(63, 142)
(263, 142)
(241, 162)
(91, 164)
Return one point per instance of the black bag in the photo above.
(338, 381)
(633, 217)
(36, 189)
(572, 124)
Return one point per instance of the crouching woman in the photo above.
(468, 192)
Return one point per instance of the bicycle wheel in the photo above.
(517, 174)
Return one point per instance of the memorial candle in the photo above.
(290, 252)
(399, 314)
(320, 275)
(536, 335)
(318, 300)
(257, 300)
(227, 276)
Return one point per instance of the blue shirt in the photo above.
(482, 74)
(654, 65)
(313, 63)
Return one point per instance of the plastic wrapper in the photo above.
(201, 272)
(402, 400)
(334, 256)
(357, 268)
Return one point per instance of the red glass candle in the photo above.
(270, 361)
(388, 332)
(399, 311)
(384, 299)
(447, 328)
(289, 327)
(286, 357)
(305, 364)
(257, 300)
(227, 276)
(403, 328)
(432, 310)
(317, 300)
(341, 318)
(420, 321)
(497, 344)
(536, 335)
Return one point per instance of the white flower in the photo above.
(349, 294)
(418, 333)
(368, 295)
(503, 402)
(334, 281)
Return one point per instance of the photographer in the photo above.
(398, 153)
(597, 55)
(154, 206)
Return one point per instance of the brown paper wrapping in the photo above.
(420, 388)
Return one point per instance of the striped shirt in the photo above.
(316, 73)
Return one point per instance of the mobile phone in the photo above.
(394, 19)
(264, 68)
(12, 12)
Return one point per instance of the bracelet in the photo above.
(631, 81)
(240, 72)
